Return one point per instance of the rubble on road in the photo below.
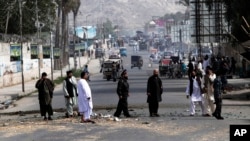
(5, 102)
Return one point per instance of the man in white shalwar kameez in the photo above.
(85, 104)
(194, 91)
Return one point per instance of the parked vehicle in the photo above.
(136, 61)
(123, 51)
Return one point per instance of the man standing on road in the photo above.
(154, 92)
(45, 94)
(123, 93)
(208, 95)
(217, 96)
(190, 68)
(85, 104)
(86, 70)
(194, 91)
(70, 93)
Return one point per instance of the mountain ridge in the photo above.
(128, 14)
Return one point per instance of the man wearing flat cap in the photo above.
(123, 93)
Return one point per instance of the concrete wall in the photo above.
(10, 71)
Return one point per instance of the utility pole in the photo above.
(37, 37)
(51, 47)
(51, 55)
(21, 36)
(7, 21)
(180, 49)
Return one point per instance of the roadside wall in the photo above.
(10, 71)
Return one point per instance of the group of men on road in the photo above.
(154, 92)
(75, 93)
(206, 87)
(79, 93)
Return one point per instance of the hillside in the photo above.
(129, 14)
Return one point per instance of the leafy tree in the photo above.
(9, 15)
(65, 7)
(183, 2)
(106, 28)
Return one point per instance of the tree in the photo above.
(235, 9)
(75, 8)
(105, 28)
(9, 14)
(108, 28)
(183, 2)
(66, 7)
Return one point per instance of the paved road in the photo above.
(173, 125)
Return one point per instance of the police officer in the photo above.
(123, 93)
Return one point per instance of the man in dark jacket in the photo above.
(190, 68)
(217, 96)
(70, 93)
(123, 93)
(45, 94)
(154, 92)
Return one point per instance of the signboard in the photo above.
(86, 32)
(56, 53)
(15, 52)
(34, 51)
(46, 52)
(80, 46)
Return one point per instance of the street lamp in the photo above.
(21, 38)
(87, 18)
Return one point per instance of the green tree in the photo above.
(9, 15)
(104, 29)
(108, 28)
